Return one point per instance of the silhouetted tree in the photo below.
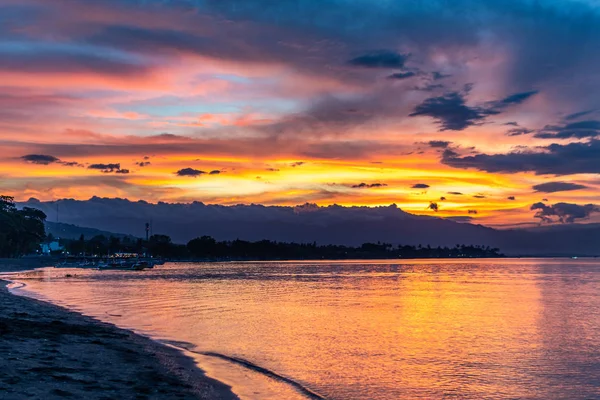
(160, 246)
(21, 231)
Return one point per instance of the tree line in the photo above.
(207, 248)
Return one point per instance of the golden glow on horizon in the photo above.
(290, 182)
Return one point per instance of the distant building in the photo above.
(47, 248)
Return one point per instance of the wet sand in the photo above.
(51, 353)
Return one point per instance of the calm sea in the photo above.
(477, 329)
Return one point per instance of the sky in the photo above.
(481, 111)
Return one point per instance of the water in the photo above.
(493, 329)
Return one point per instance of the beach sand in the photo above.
(51, 353)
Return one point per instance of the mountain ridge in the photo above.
(310, 223)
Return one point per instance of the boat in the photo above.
(126, 264)
(141, 265)
(115, 264)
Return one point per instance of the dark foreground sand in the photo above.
(47, 352)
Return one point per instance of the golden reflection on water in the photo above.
(377, 330)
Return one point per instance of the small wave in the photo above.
(249, 365)
(256, 368)
(182, 345)
(14, 285)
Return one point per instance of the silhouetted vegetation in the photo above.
(21, 231)
(207, 248)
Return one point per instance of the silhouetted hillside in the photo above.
(70, 231)
(350, 226)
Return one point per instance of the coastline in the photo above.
(53, 353)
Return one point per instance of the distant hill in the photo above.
(310, 223)
(69, 231)
(304, 223)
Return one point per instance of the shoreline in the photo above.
(238, 377)
(54, 353)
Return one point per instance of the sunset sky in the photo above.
(488, 109)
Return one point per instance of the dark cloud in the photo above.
(472, 211)
(71, 164)
(516, 98)
(42, 159)
(436, 75)
(420, 186)
(442, 198)
(556, 159)
(106, 168)
(189, 172)
(511, 198)
(368, 185)
(143, 163)
(479, 196)
(511, 123)
(563, 212)
(553, 187)
(214, 172)
(451, 112)
(122, 171)
(449, 153)
(297, 164)
(576, 115)
(433, 206)
(273, 169)
(576, 130)
(519, 131)
(380, 59)
(456, 193)
(438, 144)
(402, 75)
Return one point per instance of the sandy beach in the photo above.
(51, 353)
